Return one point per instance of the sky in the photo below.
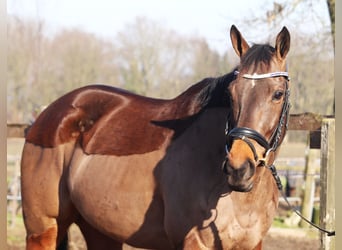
(210, 19)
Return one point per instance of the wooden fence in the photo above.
(321, 136)
(321, 131)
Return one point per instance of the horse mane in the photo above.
(216, 93)
(259, 55)
(208, 93)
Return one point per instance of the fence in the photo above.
(321, 136)
(321, 131)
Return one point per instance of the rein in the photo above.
(280, 187)
(245, 134)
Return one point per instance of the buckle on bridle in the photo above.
(266, 161)
(245, 134)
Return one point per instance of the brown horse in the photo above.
(187, 173)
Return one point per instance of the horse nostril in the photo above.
(227, 167)
(239, 178)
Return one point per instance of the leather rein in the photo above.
(245, 134)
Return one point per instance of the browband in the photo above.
(263, 76)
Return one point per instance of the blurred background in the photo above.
(158, 49)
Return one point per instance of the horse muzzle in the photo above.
(242, 157)
(239, 179)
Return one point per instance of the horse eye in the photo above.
(277, 95)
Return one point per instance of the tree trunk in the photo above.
(331, 7)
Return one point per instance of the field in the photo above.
(280, 236)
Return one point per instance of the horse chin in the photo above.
(243, 188)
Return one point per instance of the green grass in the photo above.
(280, 222)
(16, 234)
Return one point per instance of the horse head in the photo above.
(260, 108)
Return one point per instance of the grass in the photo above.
(279, 222)
(310, 232)
(16, 234)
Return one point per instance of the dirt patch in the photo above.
(283, 238)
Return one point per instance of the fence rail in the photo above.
(305, 121)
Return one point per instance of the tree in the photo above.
(41, 68)
(146, 53)
(158, 62)
(146, 58)
(331, 7)
(207, 62)
(25, 50)
(80, 58)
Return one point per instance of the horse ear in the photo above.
(282, 43)
(239, 43)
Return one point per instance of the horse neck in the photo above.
(210, 92)
(203, 144)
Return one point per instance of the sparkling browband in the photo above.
(262, 76)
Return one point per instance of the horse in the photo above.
(191, 172)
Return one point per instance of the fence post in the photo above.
(309, 190)
(327, 176)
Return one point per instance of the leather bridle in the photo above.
(245, 134)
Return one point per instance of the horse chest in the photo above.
(231, 227)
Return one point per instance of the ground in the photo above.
(284, 238)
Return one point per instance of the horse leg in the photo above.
(208, 238)
(196, 243)
(47, 240)
(259, 246)
(64, 243)
(192, 242)
(47, 209)
(44, 240)
(54, 237)
(96, 240)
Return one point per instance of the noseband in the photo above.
(245, 134)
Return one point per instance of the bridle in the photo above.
(245, 134)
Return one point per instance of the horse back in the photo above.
(104, 120)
